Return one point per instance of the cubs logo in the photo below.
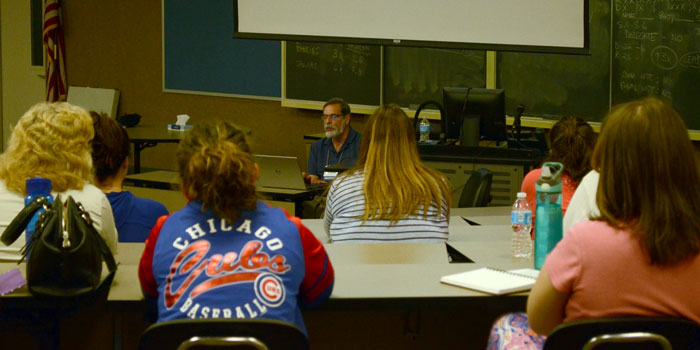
(270, 289)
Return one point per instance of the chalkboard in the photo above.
(201, 55)
(550, 85)
(319, 71)
(415, 75)
(657, 52)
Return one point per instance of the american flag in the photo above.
(56, 88)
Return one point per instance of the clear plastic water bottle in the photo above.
(521, 221)
(35, 187)
(424, 129)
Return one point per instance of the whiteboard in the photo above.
(94, 99)
(557, 24)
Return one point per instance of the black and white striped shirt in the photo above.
(343, 219)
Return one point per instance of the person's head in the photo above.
(336, 118)
(396, 182)
(571, 143)
(51, 140)
(217, 168)
(649, 180)
(110, 148)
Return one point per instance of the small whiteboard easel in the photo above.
(94, 99)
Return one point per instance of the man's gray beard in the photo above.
(336, 132)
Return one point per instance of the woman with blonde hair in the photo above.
(226, 254)
(390, 196)
(641, 255)
(52, 141)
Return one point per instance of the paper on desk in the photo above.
(10, 254)
(11, 280)
(526, 272)
(182, 119)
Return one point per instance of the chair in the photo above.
(477, 190)
(626, 333)
(240, 334)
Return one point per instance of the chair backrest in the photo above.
(477, 190)
(626, 333)
(258, 334)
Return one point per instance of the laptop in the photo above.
(281, 172)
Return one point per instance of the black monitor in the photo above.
(473, 114)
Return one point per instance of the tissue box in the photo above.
(179, 127)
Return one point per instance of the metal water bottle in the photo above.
(548, 216)
(35, 187)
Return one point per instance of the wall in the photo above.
(22, 84)
(119, 45)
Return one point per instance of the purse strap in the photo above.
(20, 222)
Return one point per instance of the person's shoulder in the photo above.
(148, 204)
(88, 194)
(533, 175)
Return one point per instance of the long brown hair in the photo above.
(649, 180)
(217, 168)
(396, 183)
(571, 143)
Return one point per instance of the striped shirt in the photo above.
(343, 218)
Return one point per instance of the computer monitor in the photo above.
(473, 114)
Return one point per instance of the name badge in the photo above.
(329, 175)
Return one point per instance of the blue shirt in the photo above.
(323, 153)
(265, 265)
(134, 216)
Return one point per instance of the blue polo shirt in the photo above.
(134, 216)
(323, 153)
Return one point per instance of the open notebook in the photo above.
(493, 281)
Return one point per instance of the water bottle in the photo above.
(424, 129)
(35, 187)
(548, 218)
(521, 221)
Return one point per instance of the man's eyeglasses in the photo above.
(333, 117)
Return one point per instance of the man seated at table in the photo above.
(341, 144)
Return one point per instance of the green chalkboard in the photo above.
(551, 85)
(319, 71)
(415, 75)
(657, 52)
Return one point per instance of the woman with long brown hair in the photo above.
(640, 256)
(390, 196)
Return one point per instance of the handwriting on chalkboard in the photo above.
(656, 47)
(318, 71)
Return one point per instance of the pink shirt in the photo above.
(608, 274)
(568, 187)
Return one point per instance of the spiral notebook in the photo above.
(493, 281)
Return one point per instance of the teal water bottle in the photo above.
(548, 216)
(36, 187)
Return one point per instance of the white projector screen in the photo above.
(501, 25)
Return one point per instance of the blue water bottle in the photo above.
(35, 187)
(548, 216)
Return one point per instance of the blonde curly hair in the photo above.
(51, 140)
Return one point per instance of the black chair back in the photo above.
(257, 334)
(626, 333)
(477, 190)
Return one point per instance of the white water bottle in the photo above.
(521, 221)
(424, 129)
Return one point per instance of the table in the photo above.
(386, 296)
(144, 136)
(170, 180)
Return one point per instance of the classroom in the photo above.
(167, 58)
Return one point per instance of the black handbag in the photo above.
(65, 252)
